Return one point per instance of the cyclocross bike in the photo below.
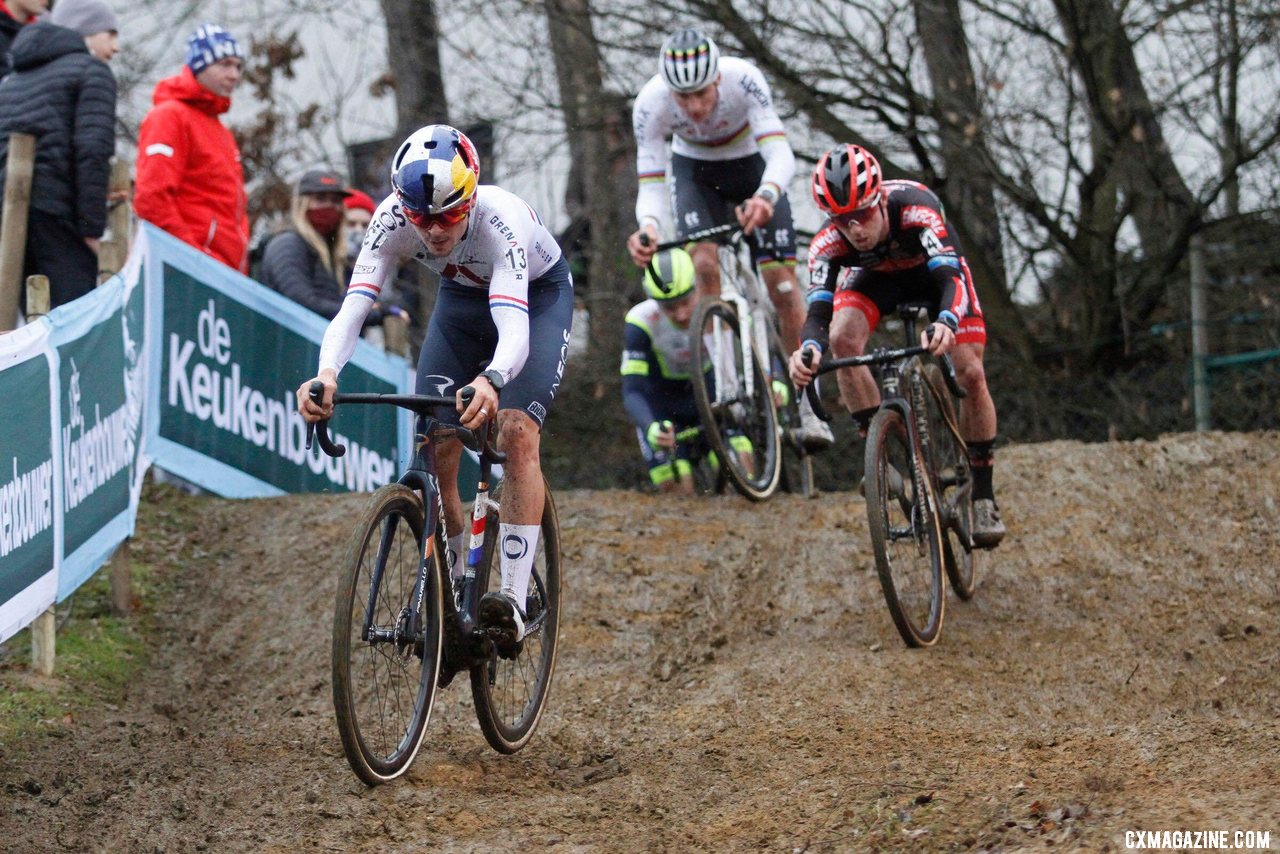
(748, 407)
(403, 628)
(919, 485)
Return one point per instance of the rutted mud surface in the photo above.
(729, 678)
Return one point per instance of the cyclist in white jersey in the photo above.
(506, 298)
(729, 158)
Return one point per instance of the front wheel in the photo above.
(955, 485)
(386, 652)
(735, 402)
(903, 522)
(511, 694)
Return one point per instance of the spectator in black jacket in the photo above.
(14, 15)
(307, 262)
(62, 92)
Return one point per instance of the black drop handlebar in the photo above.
(875, 357)
(480, 441)
(716, 234)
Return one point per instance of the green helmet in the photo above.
(674, 268)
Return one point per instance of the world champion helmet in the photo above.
(435, 170)
(675, 275)
(689, 60)
(847, 178)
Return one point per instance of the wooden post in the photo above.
(395, 332)
(112, 254)
(37, 297)
(13, 225)
(43, 630)
(122, 580)
(43, 639)
(115, 243)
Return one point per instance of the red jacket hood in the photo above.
(184, 87)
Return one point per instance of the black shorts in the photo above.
(462, 337)
(705, 192)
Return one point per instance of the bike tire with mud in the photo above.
(903, 522)
(384, 666)
(510, 695)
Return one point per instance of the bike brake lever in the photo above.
(811, 390)
(320, 429)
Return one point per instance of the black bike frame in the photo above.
(421, 477)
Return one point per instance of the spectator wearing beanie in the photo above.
(189, 180)
(62, 92)
(14, 15)
(357, 212)
(307, 262)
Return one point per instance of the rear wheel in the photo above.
(955, 485)
(903, 523)
(511, 694)
(385, 657)
(740, 424)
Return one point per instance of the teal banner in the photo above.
(28, 479)
(230, 357)
(178, 361)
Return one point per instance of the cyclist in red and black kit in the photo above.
(885, 243)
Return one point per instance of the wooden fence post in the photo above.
(13, 225)
(112, 254)
(44, 629)
(114, 250)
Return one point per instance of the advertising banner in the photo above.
(98, 342)
(231, 356)
(183, 362)
(28, 478)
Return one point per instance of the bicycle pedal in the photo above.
(503, 645)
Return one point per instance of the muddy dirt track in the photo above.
(729, 679)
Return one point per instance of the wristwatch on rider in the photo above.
(495, 379)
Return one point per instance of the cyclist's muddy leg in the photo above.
(784, 291)
(448, 455)
(849, 333)
(706, 269)
(522, 499)
(977, 410)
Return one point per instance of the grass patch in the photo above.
(98, 653)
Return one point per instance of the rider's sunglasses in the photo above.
(861, 216)
(446, 219)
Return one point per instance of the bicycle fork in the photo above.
(742, 386)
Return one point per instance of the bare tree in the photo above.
(413, 56)
(601, 184)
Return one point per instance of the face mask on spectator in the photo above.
(325, 220)
(355, 238)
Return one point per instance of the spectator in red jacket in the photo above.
(190, 182)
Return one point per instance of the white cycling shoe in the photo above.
(815, 433)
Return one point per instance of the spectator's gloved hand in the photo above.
(661, 435)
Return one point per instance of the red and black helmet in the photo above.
(847, 178)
